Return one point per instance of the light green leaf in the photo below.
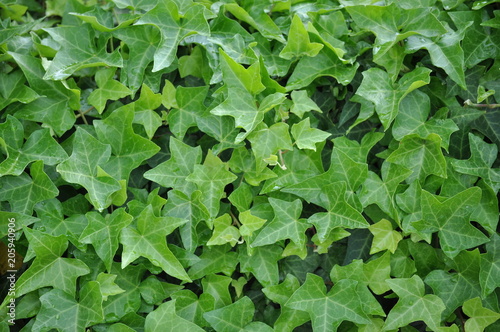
(164, 318)
(302, 103)
(60, 311)
(188, 110)
(109, 89)
(148, 240)
(232, 317)
(49, 269)
(82, 167)
(384, 237)
(482, 157)
(103, 20)
(78, 50)
(129, 149)
(286, 224)
(149, 119)
(413, 305)
(250, 223)
(224, 232)
(422, 156)
(268, 141)
(108, 286)
(298, 43)
(479, 316)
(451, 218)
(23, 192)
(103, 232)
(211, 178)
(379, 88)
(307, 137)
(328, 310)
(39, 146)
(174, 27)
(214, 260)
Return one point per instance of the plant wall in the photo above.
(259, 165)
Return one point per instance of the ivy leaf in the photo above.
(490, 266)
(148, 240)
(214, 260)
(141, 41)
(458, 285)
(12, 89)
(78, 50)
(307, 137)
(298, 43)
(82, 167)
(267, 141)
(378, 88)
(482, 157)
(241, 85)
(381, 191)
(23, 192)
(250, 223)
(413, 304)
(224, 319)
(39, 146)
(49, 268)
(450, 217)
(262, 263)
(54, 107)
(173, 172)
(479, 316)
(129, 149)
(109, 89)
(60, 311)
(103, 20)
(286, 224)
(224, 232)
(339, 214)
(211, 178)
(302, 103)
(103, 232)
(164, 318)
(185, 115)
(108, 286)
(384, 237)
(422, 156)
(174, 27)
(328, 310)
(412, 119)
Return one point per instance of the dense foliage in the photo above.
(251, 165)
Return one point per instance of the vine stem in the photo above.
(82, 114)
(470, 103)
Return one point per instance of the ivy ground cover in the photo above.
(253, 165)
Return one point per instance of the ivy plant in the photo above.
(264, 165)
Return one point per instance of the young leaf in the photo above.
(164, 318)
(480, 317)
(384, 237)
(109, 89)
(298, 43)
(307, 137)
(224, 319)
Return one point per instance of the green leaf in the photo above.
(490, 266)
(173, 172)
(262, 263)
(286, 224)
(224, 232)
(413, 304)
(412, 119)
(328, 310)
(148, 240)
(211, 178)
(103, 232)
(232, 317)
(164, 318)
(480, 162)
(129, 149)
(422, 156)
(298, 43)
(12, 89)
(102, 20)
(82, 167)
(39, 146)
(250, 223)
(302, 103)
(339, 212)
(174, 27)
(109, 89)
(450, 217)
(23, 192)
(60, 311)
(307, 137)
(108, 286)
(49, 269)
(386, 95)
(268, 141)
(214, 260)
(54, 107)
(78, 50)
(189, 104)
(384, 237)
(479, 316)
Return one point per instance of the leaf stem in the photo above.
(282, 161)
(236, 222)
(470, 103)
(82, 114)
